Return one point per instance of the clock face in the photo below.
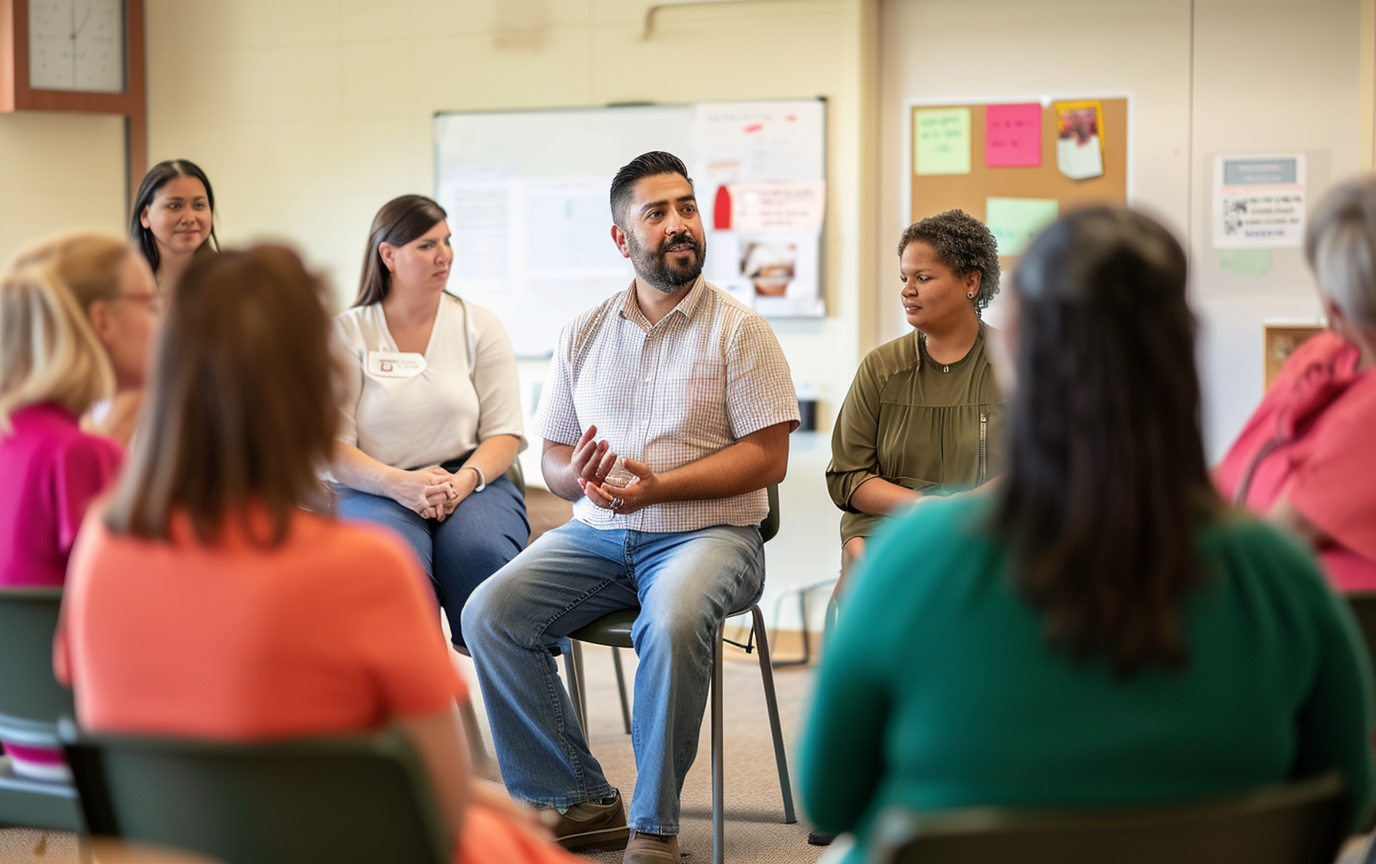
(76, 45)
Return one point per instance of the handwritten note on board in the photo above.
(1013, 136)
(941, 141)
(1015, 221)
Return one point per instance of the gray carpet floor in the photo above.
(755, 833)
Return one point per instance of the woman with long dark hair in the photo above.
(431, 411)
(1102, 628)
(207, 601)
(172, 223)
(173, 218)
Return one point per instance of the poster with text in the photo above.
(1258, 201)
(759, 174)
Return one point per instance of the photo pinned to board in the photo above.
(1079, 139)
(774, 272)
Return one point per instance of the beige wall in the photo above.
(59, 171)
(1260, 86)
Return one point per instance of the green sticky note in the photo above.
(941, 139)
(1245, 262)
(1015, 221)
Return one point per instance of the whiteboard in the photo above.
(527, 197)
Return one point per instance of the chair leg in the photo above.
(477, 750)
(573, 671)
(802, 591)
(582, 685)
(772, 702)
(718, 785)
(621, 689)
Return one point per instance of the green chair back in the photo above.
(31, 700)
(346, 800)
(770, 526)
(1363, 605)
(1302, 823)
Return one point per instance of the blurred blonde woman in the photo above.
(76, 317)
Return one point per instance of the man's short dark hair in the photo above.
(650, 164)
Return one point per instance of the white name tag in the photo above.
(395, 364)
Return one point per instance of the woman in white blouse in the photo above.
(432, 414)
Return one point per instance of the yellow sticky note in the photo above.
(941, 141)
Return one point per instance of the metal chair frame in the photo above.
(615, 630)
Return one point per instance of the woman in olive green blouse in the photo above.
(921, 416)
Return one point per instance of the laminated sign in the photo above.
(1258, 201)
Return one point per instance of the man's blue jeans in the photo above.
(685, 584)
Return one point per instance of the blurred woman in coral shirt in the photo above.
(206, 600)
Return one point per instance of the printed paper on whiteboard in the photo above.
(781, 206)
(773, 272)
(754, 141)
(759, 173)
(1258, 201)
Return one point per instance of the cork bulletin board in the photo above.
(969, 185)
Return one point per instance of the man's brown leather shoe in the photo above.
(589, 825)
(652, 849)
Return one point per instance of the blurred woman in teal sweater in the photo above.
(1101, 629)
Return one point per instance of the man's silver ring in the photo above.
(617, 503)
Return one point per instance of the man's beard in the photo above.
(654, 266)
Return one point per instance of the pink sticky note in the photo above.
(1013, 135)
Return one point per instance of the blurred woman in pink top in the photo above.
(77, 315)
(1305, 457)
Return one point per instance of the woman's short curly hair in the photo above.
(962, 243)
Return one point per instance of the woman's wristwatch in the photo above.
(482, 481)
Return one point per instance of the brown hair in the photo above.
(1107, 484)
(48, 349)
(400, 221)
(242, 407)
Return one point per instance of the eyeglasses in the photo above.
(156, 302)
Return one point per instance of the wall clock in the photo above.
(78, 55)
